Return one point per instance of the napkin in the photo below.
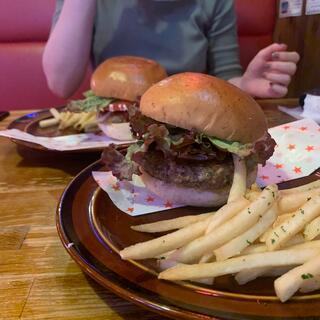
(131, 196)
(64, 143)
(297, 154)
(311, 109)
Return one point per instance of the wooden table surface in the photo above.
(38, 279)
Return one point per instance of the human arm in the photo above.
(269, 73)
(67, 52)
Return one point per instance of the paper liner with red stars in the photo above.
(131, 197)
(296, 155)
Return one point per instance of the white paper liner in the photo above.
(64, 143)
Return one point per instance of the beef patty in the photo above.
(204, 175)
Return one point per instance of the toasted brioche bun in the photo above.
(190, 196)
(207, 104)
(126, 77)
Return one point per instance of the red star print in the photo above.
(310, 148)
(150, 199)
(168, 204)
(279, 165)
(116, 187)
(130, 210)
(264, 177)
(286, 127)
(297, 169)
(303, 128)
(291, 146)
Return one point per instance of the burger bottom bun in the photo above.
(190, 196)
(117, 131)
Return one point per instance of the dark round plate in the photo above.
(30, 123)
(93, 231)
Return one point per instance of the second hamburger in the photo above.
(116, 84)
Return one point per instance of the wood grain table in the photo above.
(38, 279)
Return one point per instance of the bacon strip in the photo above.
(114, 107)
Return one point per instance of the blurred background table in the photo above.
(38, 279)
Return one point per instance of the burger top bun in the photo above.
(126, 77)
(206, 104)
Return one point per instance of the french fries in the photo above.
(70, 120)
(237, 244)
(261, 247)
(290, 282)
(225, 213)
(171, 224)
(164, 264)
(55, 113)
(293, 201)
(208, 257)
(48, 123)
(227, 242)
(306, 187)
(247, 217)
(215, 269)
(251, 274)
(247, 275)
(252, 195)
(310, 284)
(222, 215)
(253, 192)
(81, 121)
(312, 229)
(157, 246)
(239, 183)
(279, 220)
(294, 224)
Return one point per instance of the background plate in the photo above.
(30, 123)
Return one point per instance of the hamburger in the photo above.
(187, 129)
(116, 84)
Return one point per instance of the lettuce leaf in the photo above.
(190, 145)
(240, 149)
(91, 102)
(121, 166)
